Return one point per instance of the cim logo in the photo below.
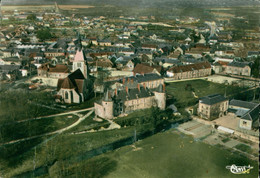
(239, 169)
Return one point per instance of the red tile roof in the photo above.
(191, 67)
(146, 68)
(74, 81)
(59, 68)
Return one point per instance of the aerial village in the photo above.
(110, 69)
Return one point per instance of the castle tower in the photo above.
(160, 97)
(108, 105)
(80, 61)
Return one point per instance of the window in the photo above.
(66, 95)
(79, 64)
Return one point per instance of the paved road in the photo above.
(82, 118)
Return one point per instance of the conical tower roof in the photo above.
(160, 88)
(107, 96)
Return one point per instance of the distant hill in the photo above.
(144, 3)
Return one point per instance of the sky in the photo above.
(136, 2)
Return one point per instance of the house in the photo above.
(49, 71)
(212, 106)
(6, 70)
(11, 61)
(151, 47)
(239, 68)
(73, 89)
(151, 80)
(37, 55)
(93, 40)
(167, 62)
(145, 68)
(104, 42)
(251, 54)
(54, 53)
(217, 67)
(125, 100)
(100, 64)
(200, 69)
(248, 113)
(125, 63)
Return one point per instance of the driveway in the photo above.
(229, 121)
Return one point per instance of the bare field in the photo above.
(67, 7)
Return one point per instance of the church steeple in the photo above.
(57, 9)
(78, 43)
(80, 61)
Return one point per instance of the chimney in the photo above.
(132, 81)
(138, 86)
(128, 80)
(123, 81)
(116, 92)
(164, 87)
(144, 86)
(126, 89)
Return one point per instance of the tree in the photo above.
(102, 74)
(31, 17)
(44, 34)
(11, 18)
(255, 68)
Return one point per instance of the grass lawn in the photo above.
(65, 146)
(14, 131)
(89, 124)
(22, 104)
(168, 154)
(87, 104)
(131, 118)
(183, 98)
(244, 148)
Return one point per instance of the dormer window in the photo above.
(78, 64)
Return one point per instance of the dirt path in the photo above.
(112, 126)
(60, 114)
(81, 118)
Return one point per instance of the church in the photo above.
(77, 86)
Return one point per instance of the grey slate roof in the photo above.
(125, 93)
(238, 64)
(253, 114)
(142, 78)
(9, 68)
(167, 60)
(242, 104)
(212, 99)
(148, 77)
(133, 93)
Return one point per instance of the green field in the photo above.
(18, 158)
(168, 154)
(14, 131)
(182, 97)
(89, 124)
